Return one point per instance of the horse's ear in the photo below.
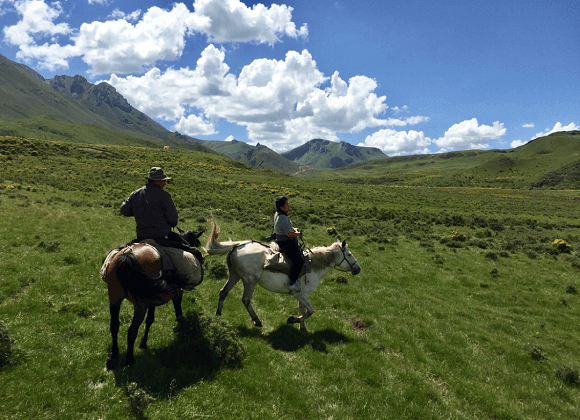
(200, 233)
(344, 243)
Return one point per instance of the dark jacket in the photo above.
(153, 209)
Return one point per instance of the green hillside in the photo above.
(321, 154)
(24, 96)
(258, 156)
(466, 307)
(547, 162)
(105, 101)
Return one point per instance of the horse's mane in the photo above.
(322, 256)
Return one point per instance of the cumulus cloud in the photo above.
(470, 135)
(233, 21)
(531, 125)
(395, 143)
(517, 143)
(37, 21)
(119, 46)
(557, 127)
(194, 125)
(282, 103)
(118, 14)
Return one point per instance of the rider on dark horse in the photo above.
(156, 214)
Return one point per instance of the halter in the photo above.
(345, 259)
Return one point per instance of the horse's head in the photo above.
(191, 237)
(347, 261)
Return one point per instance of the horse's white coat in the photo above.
(246, 261)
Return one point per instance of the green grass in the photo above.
(458, 287)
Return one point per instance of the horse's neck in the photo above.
(323, 260)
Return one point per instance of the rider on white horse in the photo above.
(287, 239)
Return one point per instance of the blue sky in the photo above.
(407, 77)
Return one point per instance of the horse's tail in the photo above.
(138, 281)
(213, 247)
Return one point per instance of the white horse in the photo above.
(246, 260)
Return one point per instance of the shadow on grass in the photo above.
(288, 338)
(201, 348)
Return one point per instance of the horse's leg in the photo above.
(305, 308)
(232, 281)
(148, 322)
(177, 303)
(249, 286)
(302, 309)
(113, 359)
(138, 316)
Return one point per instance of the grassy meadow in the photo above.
(467, 306)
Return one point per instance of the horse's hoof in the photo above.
(128, 362)
(143, 346)
(291, 320)
(258, 324)
(112, 363)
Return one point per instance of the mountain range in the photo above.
(67, 108)
(29, 98)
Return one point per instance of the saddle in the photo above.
(277, 262)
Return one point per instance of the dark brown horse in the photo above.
(135, 273)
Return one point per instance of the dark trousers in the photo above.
(293, 252)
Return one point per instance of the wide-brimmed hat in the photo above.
(157, 174)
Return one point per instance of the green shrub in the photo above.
(562, 246)
(537, 353)
(5, 345)
(216, 269)
(568, 375)
(138, 399)
(204, 343)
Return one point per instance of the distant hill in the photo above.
(72, 109)
(104, 100)
(324, 154)
(547, 162)
(258, 156)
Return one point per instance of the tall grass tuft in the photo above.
(5, 346)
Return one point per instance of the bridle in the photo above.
(345, 259)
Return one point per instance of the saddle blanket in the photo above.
(172, 259)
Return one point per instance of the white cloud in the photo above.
(396, 143)
(557, 127)
(118, 46)
(528, 125)
(121, 47)
(118, 14)
(194, 125)
(517, 143)
(470, 135)
(37, 20)
(101, 2)
(233, 21)
(282, 103)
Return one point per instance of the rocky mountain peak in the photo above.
(104, 92)
(69, 85)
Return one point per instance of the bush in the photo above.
(138, 399)
(5, 345)
(204, 343)
(216, 269)
(562, 246)
(568, 375)
(537, 353)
